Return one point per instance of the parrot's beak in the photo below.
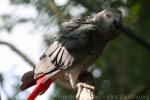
(118, 23)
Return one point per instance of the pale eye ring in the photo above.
(108, 15)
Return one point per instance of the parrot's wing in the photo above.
(67, 49)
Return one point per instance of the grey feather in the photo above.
(78, 44)
(67, 48)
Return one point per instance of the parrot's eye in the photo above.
(108, 15)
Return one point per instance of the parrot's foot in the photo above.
(85, 92)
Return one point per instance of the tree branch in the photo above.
(127, 32)
(52, 6)
(17, 51)
(86, 87)
(137, 92)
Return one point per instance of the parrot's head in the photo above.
(109, 22)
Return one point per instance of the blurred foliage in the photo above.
(124, 64)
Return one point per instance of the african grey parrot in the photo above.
(78, 44)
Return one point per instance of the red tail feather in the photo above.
(40, 88)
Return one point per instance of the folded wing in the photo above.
(69, 47)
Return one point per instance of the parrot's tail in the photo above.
(40, 88)
(28, 80)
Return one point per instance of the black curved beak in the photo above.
(118, 23)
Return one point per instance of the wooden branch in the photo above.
(17, 51)
(86, 87)
(137, 92)
(85, 92)
(127, 32)
(52, 6)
